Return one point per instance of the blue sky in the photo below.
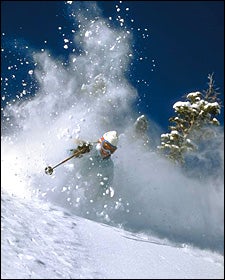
(181, 42)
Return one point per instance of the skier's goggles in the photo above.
(107, 147)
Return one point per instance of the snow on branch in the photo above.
(192, 121)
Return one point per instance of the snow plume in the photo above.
(82, 98)
(158, 197)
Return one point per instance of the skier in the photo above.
(96, 171)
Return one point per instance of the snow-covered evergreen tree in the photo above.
(193, 122)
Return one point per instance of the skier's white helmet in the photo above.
(107, 144)
(111, 137)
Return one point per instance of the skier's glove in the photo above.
(83, 148)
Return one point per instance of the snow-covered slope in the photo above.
(42, 241)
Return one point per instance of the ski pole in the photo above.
(49, 169)
(85, 148)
